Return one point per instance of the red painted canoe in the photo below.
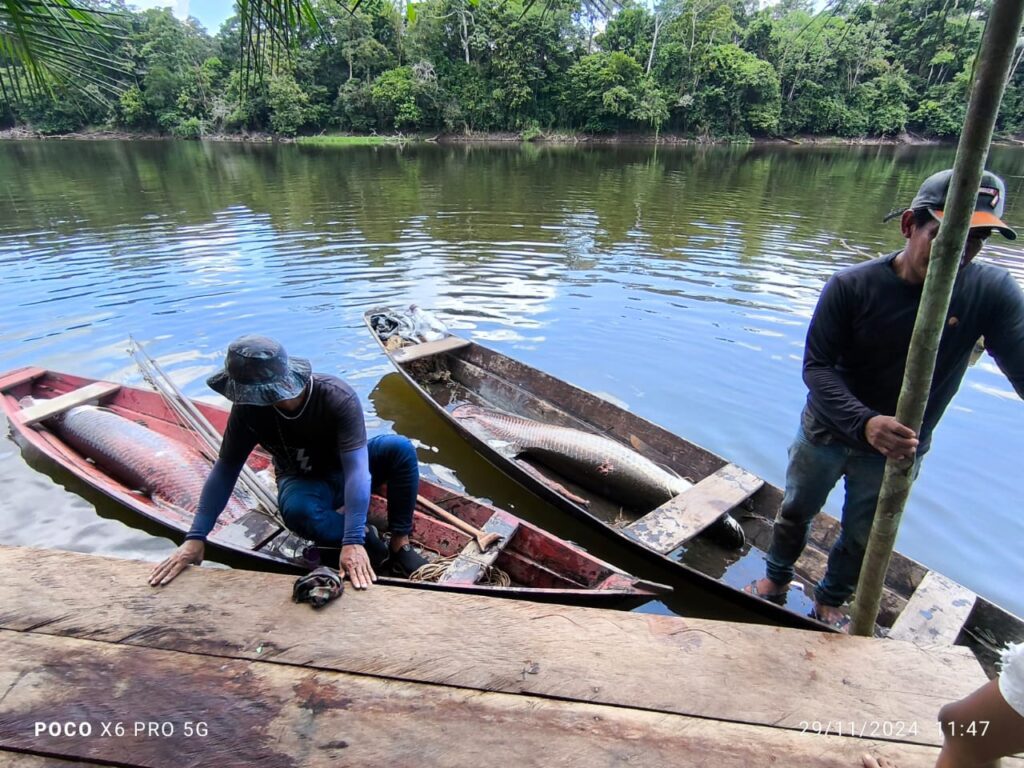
(541, 566)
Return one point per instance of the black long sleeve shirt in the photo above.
(859, 335)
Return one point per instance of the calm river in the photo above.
(678, 283)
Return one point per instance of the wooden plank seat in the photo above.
(47, 408)
(471, 564)
(684, 516)
(935, 613)
(428, 348)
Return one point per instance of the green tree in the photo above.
(603, 90)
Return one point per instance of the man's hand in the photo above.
(188, 553)
(890, 438)
(356, 563)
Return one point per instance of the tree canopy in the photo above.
(702, 68)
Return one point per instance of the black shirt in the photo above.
(309, 442)
(859, 335)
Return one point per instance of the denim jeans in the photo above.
(309, 504)
(814, 469)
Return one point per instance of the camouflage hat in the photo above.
(988, 210)
(258, 371)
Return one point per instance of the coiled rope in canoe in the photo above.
(433, 571)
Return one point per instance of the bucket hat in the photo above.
(258, 371)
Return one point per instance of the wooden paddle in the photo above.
(484, 540)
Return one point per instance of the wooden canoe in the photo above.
(541, 566)
(918, 604)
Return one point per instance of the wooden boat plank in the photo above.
(685, 515)
(575, 652)
(45, 409)
(471, 564)
(251, 531)
(935, 613)
(20, 376)
(428, 349)
(261, 715)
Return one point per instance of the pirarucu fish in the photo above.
(144, 460)
(592, 461)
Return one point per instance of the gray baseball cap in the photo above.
(988, 210)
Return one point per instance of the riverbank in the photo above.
(474, 137)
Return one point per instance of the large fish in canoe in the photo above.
(592, 461)
(163, 468)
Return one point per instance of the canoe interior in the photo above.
(540, 565)
(476, 375)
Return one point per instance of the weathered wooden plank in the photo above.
(471, 563)
(22, 760)
(515, 647)
(256, 714)
(251, 531)
(935, 613)
(428, 348)
(47, 408)
(20, 376)
(684, 516)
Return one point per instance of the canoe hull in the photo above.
(543, 567)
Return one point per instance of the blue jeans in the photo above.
(814, 469)
(309, 504)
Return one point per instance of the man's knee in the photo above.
(399, 452)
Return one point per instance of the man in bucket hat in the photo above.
(312, 425)
(854, 360)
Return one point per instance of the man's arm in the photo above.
(216, 493)
(238, 443)
(1005, 338)
(354, 560)
(827, 336)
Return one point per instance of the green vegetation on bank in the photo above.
(701, 68)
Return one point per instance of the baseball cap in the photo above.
(988, 210)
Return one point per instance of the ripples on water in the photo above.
(679, 284)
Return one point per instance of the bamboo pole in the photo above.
(997, 49)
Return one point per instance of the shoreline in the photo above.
(505, 138)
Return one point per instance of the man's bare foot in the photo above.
(766, 588)
(831, 615)
(870, 761)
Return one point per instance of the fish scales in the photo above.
(592, 461)
(140, 458)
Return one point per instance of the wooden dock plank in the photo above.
(935, 613)
(44, 409)
(428, 348)
(684, 516)
(515, 647)
(257, 714)
(22, 760)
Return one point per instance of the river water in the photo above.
(678, 283)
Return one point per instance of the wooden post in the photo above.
(997, 49)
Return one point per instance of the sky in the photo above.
(211, 13)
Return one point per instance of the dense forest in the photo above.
(698, 68)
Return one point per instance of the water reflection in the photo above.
(678, 284)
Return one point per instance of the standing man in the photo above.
(312, 425)
(854, 360)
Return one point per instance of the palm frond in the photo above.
(267, 29)
(57, 42)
